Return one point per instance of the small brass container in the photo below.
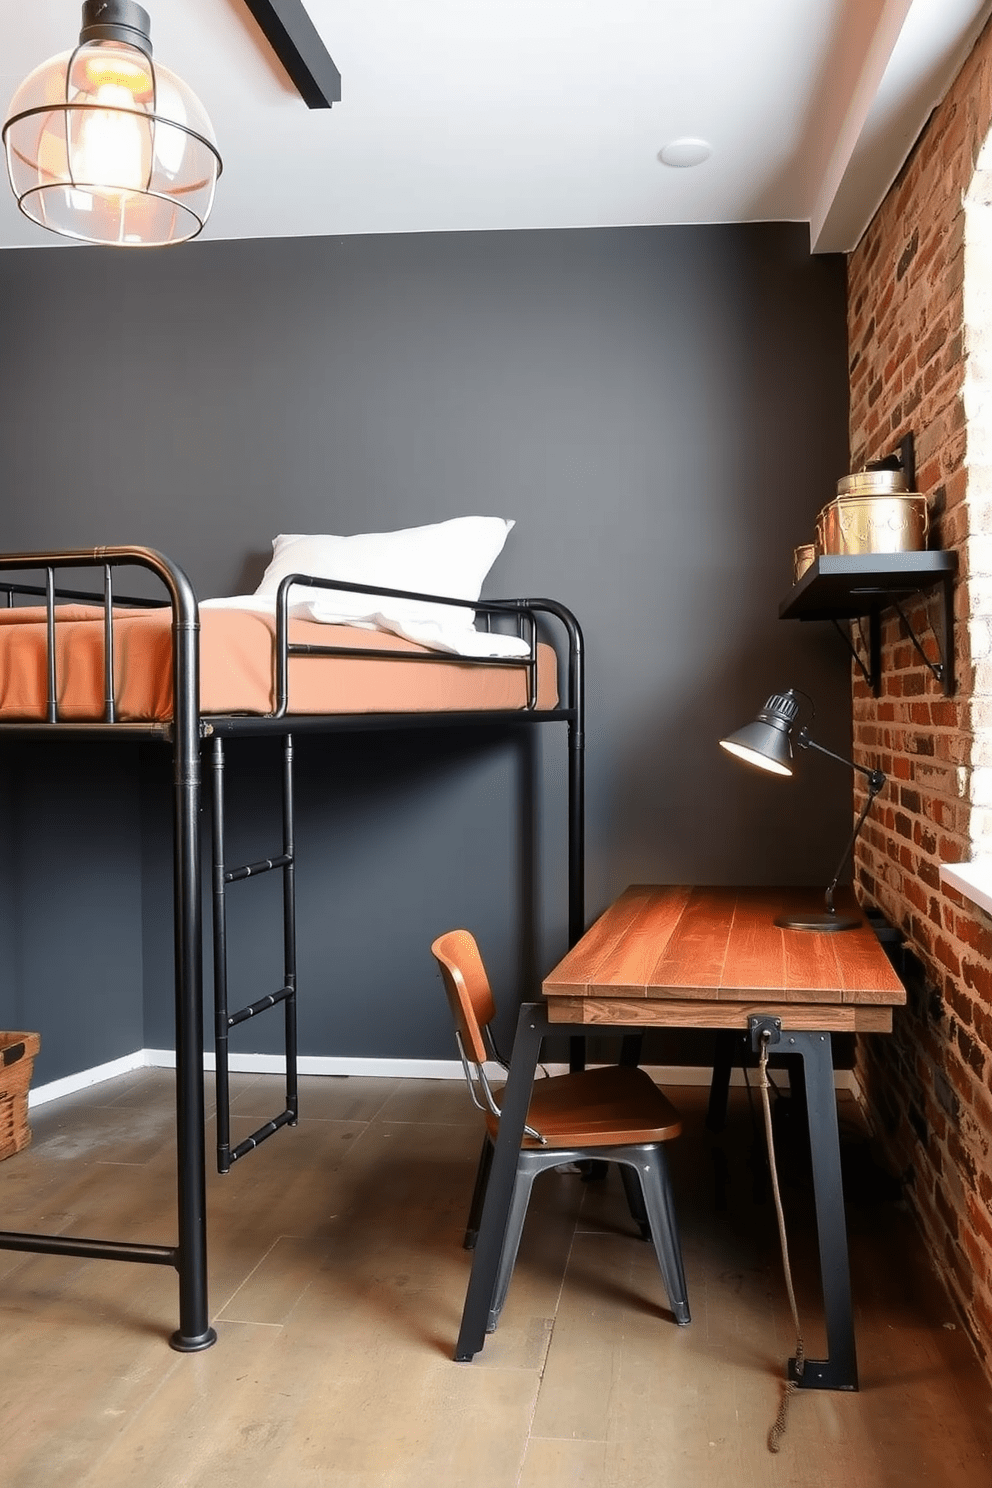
(802, 557)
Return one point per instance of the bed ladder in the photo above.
(286, 994)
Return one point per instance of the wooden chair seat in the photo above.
(608, 1107)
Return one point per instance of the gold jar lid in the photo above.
(873, 483)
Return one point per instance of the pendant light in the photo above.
(105, 146)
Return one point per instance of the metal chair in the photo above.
(613, 1114)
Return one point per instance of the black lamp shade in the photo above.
(766, 742)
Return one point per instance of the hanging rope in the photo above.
(777, 1431)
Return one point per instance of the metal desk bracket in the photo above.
(763, 1027)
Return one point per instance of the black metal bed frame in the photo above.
(187, 732)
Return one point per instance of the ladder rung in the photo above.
(285, 1118)
(75, 1245)
(252, 870)
(261, 1006)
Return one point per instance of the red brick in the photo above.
(978, 976)
(977, 936)
(946, 1211)
(980, 1220)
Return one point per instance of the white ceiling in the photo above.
(480, 114)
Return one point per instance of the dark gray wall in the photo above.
(662, 410)
(70, 890)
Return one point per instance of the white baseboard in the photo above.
(95, 1076)
(321, 1064)
(391, 1069)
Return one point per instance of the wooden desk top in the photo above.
(707, 957)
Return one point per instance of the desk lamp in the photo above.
(767, 743)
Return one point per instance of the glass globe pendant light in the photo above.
(105, 146)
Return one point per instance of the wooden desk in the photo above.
(679, 957)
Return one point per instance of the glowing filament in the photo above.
(109, 150)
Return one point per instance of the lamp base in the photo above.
(821, 921)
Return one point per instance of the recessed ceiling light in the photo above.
(685, 152)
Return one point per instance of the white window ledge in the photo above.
(973, 880)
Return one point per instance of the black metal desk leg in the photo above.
(728, 1048)
(839, 1371)
(532, 1026)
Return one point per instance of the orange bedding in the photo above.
(236, 668)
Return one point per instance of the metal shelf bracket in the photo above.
(940, 668)
(862, 587)
(856, 654)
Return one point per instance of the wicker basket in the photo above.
(17, 1052)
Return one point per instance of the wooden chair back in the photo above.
(467, 986)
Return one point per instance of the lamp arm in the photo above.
(848, 851)
(876, 781)
(875, 778)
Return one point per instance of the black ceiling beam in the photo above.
(294, 39)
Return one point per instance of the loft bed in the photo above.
(75, 663)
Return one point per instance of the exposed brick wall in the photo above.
(927, 1086)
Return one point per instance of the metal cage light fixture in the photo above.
(106, 146)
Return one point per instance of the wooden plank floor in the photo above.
(337, 1280)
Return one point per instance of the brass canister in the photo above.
(874, 524)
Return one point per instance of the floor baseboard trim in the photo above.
(389, 1069)
(320, 1064)
(69, 1084)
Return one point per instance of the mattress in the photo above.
(237, 648)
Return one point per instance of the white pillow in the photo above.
(449, 558)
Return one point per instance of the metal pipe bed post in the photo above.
(576, 798)
(576, 760)
(289, 927)
(194, 1331)
(576, 789)
(221, 1025)
(52, 713)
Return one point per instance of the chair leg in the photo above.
(522, 1185)
(635, 1200)
(478, 1194)
(651, 1165)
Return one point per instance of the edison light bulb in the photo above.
(109, 151)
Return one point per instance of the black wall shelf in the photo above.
(859, 586)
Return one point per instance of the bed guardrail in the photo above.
(51, 593)
(285, 648)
